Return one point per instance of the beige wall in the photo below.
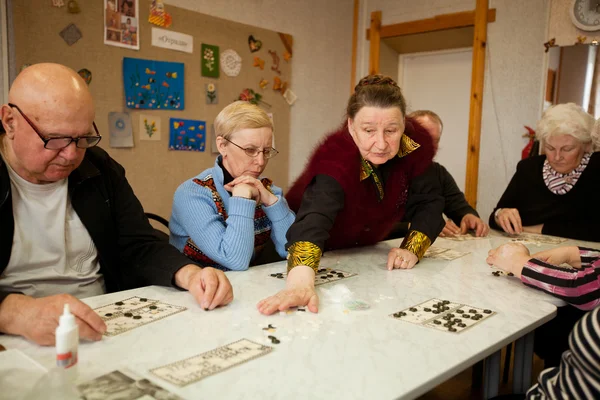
(388, 61)
(514, 81)
(322, 31)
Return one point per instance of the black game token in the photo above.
(461, 325)
(302, 309)
(427, 309)
(137, 317)
(153, 307)
(445, 302)
(447, 325)
(451, 329)
(279, 276)
(275, 341)
(271, 337)
(437, 321)
(457, 320)
(322, 270)
(451, 315)
(273, 275)
(511, 274)
(330, 276)
(435, 311)
(479, 315)
(446, 308)
(108, 315)
(466, 316)
(128, 314)
(119, 303)
(413, 309)
(460, 311)
(333, 272)
(473, 311)
(487, 311)
(143, 299)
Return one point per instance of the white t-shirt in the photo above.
(52, 251)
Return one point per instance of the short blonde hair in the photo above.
(567, 119)
(240, 115)
(429, 114)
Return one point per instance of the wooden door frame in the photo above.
(479, 18)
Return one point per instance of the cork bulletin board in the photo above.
(152, 169)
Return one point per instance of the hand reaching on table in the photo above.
(510, 257)
(401, 259)
(37, 319)
(560, 255)
(299, 292)
(210, 287)
(509, 220)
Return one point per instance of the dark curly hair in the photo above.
(376, 91)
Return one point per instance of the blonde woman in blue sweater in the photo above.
(224, 216)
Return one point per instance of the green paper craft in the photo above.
(209, 60)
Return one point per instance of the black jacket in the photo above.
(131, 254)
(572, 215)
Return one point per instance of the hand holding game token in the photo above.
(210, 287)
(510, 257)
(401, 259)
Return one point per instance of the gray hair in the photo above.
(569, 119)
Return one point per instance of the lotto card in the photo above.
(184, 372)
(323, 275)
(118, 385)
(462, 238)
(134, 312)
(440, 253)
(443, 315)
(123, 306)
(535, 238)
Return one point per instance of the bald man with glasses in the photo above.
(70, 224)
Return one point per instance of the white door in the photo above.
(441, 82)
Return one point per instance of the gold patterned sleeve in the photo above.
(303, 253)
(416, 242)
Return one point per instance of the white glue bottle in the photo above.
(67, 340)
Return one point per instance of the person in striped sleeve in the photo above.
(569, 273)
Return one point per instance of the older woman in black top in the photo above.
(556, 193)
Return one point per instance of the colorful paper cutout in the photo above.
(187, 134)
(120, 130)
(86, 74)
(153, 84)
(209, 60)
(287, 55)
(263, 83)
(211, 93)
(275, 66)
(231, 62)
(58, 3)
(259, 62)
(71, 34)
(254, 44)
(149, 127)
(252, 97)
(279, 85)
(158, 15)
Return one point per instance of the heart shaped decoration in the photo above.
(254, 44)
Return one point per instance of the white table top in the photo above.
(332, 354)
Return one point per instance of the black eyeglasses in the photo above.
(269, 152)
(57, 143)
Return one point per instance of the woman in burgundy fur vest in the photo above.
(359, 182)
